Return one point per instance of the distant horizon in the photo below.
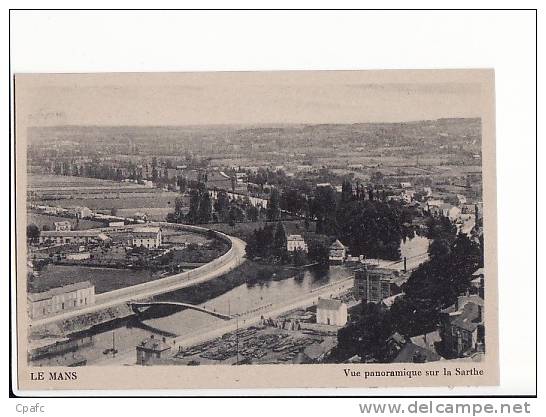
(255, 124)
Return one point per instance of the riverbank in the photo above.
(63, 328)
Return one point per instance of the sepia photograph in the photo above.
(337, 225)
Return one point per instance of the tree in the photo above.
(318, 250)
(260, 243)
(447, 273)
(222, 205)
(372, 228)
(439, 248)
(346, 191)
(193, 213)
(33, 233)
(299, 258)
(367, 335)
(205, 208)
(182, 183)
(273, 206)
(252, 213)
(293, 201)
(323, 207)
(280, 240)
(235, 214)
(440, 227)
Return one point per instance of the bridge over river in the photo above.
(140, 306)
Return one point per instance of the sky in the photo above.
(246, 98)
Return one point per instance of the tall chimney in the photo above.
(405, 264)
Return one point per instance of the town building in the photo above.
(219, 180)
(71, 236)
(81, 212)
(477, 281)
(78, 256)
(387, 303)
(331, 312)
(337, 252)
(462, 327)
(372, 284)
(318, 352)
(407, 195)
(403, 350)
(60, 299)
(451, 212)
(434, 206)
(150, 349)
(116, 223)
(461, 200)
(148, 237)
(63, 226)
(295, 242)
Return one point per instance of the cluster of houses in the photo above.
(461, 329)
(74, 247)
(74, 212)
(133, 235)
(460, 332)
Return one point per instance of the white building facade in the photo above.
(331, 312)
(60, 299)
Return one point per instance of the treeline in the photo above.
(267, 242)
(362, 219)
(202, 208)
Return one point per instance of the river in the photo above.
(170, 321)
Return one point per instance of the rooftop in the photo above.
(469, 318)
(478, 272)
(316, 350)
(154, 344)
(337, 245)
(389, 301)
(148, 229)
(413, 353)
(329, 304)
(68, 233)
(462, 300)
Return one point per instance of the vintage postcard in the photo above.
(255, 230)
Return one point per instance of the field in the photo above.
(151, 200)
(172, 236)
(104, 279)
(101, 195)
(42, 220)
(45, 181)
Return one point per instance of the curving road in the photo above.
(220, 266)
